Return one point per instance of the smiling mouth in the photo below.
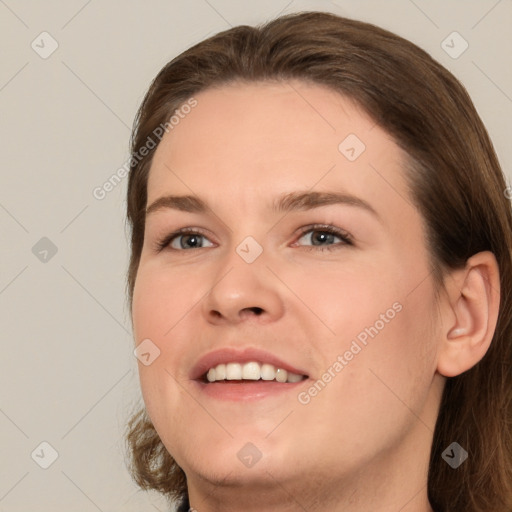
(249, 372)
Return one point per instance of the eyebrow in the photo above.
(293, 201)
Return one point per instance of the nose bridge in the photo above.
(248, 234)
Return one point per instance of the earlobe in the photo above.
(470, 313)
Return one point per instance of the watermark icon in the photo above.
(304, 397)
(454, 455)
(44, 455)
(351, 147)
(44, 45)
(100, 192)
(249, 249)
(44, 250)
(454, 45)
(146, 352)
(249, 455)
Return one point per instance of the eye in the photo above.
(185, 238)
(324, 235)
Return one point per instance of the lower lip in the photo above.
(236, 391)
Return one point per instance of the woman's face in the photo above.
(352, 314)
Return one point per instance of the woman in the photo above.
(320, 245)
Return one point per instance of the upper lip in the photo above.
(238, 355)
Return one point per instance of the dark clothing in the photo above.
(185, 505)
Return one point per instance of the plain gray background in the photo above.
(68, 376)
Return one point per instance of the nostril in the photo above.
(254, 309)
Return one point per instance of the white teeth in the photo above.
(233, 371)
(220, 371)
(250, 371)
(281, 375)
(268, 372)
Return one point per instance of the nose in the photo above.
(242, 292)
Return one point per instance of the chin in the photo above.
(241, 459)
(231, 473)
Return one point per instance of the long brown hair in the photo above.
(457, 185)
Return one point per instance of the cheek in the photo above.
(163, 304)
(160, 300)
(385, 334)
(146, 300)
(383, 386)
(153, 310)
(348, 302)
(397, 364)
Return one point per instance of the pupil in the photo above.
(192, 237)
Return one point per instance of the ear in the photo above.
(469, 314)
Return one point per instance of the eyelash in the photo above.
(322, 228)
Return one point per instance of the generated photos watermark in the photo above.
(100, 192)
(305, 397)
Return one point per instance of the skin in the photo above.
(363, 442)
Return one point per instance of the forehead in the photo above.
(243, 142)
(259, 120)
(271, 130)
